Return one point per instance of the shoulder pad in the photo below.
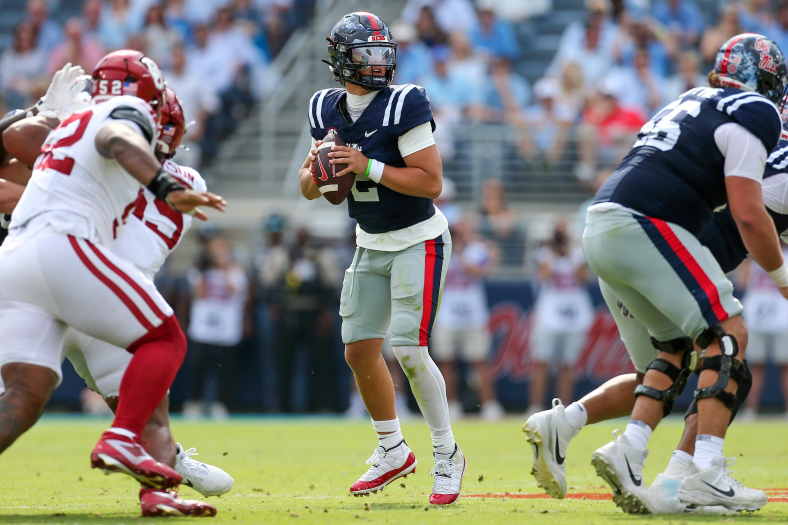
(755, 113)
(316, 105)
(136, 116)
(407, 108)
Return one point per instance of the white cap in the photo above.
(546, 87)
(402, 31)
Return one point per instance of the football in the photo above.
(334, 189)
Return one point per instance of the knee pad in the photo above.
(677, 374)
(728, 368)
(743, 391)
(681, 344)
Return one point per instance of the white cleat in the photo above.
(385, 466)
(621, 466)
(549, 434)
(205, 479)
(448, 473)
(715, 486)
(663, 494)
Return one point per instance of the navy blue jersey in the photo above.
(675, 172)
(722, 236)
(394, 111)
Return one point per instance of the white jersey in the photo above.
(464, 301)
(765, 310)
(563, 303)
(74, 189)
(154, 229)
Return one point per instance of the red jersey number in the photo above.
(47, 160)
(166, 210)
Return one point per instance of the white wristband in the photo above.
(376, 170)
(780, 275)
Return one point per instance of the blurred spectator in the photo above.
(688, 76)
(159, 39)
(546, 125)
(504, 96)
(428, 29)
(778, 29)
(517, 10)
(47, 33)
(179, 16)
(563, 315)
(590, 44)
(248, 20)
(498, 223)
(209, 62)
(280, 16)
(466, 62)
(607, 131)
(755, 15)
(643, 89)
(219, 290)
(75, 49)
(91, 23)
(494, 36)
(727, 27)
(681, 18)
(118, 24)
(641, 35)
(451, 15)
(461, 325)
(445, 202)
(199, 100)
(22, 63)
(309, 310)
(413, 57)
(572, 94)
(449, 96)
(766, 315)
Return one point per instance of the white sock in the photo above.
(638, 433)
(706, 449)
(576, 415)
(679, 464)
(429, 388)
(389, 433)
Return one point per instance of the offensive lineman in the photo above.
(403, 242)
(615, 399)
(152, 232)
(707, 148)
(56, 269)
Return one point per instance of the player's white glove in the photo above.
(80, 93)
(59, 94)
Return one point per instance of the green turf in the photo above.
(288, 471)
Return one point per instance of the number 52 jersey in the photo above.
(675, 170)
(73, 187)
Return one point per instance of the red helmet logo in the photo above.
(128, 72)
(173, 124)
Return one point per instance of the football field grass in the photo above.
(299, 470)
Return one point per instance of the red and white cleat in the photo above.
(385, 467)
(448, 473)
(118, 450)
(155, 502)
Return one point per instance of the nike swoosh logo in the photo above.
(632, 476)
(369, 133)
(558, 457)
(728, 492)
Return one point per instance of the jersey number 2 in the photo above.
(72, 136)
(365, 190)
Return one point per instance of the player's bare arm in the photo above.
(745, 198)
(16, 172)
(10, 194)
(423, 176)
(118, 141)
(23, 139)
(309, 189)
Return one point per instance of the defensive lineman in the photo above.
(56, 268)
(641, 239)
(403, 243)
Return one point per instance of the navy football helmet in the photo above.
(359, 41)
(753, 62)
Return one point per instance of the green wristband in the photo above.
(369, 165)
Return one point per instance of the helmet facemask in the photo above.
(357, 63)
